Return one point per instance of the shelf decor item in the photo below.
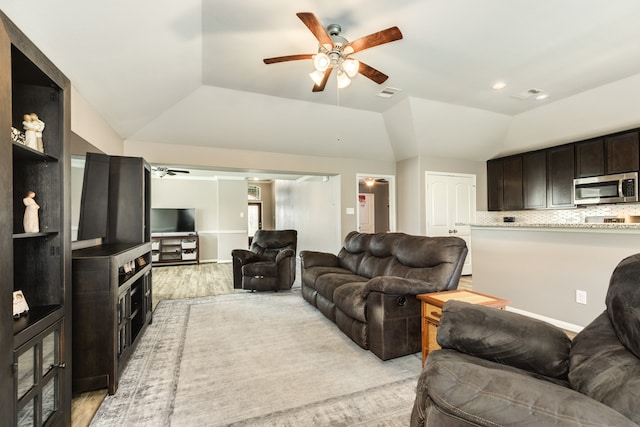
(31, 222)
(33, 127)
(20, 305)
(17, 136)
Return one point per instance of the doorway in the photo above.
(376, 201)
(254, 219)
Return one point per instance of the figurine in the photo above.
(39, 126)
(30, 129)
(31, 223)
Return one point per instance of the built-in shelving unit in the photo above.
(35, 348)
(175, 249)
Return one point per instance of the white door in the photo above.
(451, 207)
(366, 213)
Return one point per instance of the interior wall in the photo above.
(201, 195)
(221, 158)
(312, 207)
(88, 124)
(409, 212)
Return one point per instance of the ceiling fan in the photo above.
(334, 52)
(163, 171)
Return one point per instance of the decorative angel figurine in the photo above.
(30, 129)
(31, 222)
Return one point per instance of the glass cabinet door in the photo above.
(37, 378)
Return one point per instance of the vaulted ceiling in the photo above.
(191, 71)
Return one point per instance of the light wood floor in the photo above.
(176, 282)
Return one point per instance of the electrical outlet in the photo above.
(581, 297)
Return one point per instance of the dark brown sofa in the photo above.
(498, 368)
(369, 288)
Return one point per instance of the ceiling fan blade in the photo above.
(318, 30)
(175, 171)
(381, 37)
(371, 73)
(323, 83)
(287, 58)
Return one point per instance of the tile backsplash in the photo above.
(560, 216)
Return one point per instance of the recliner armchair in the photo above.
(500, 368)
(270, 263)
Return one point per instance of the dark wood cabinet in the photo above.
(495, 184)
(116, 199)
(622, 153)
(616, 153)
(534, 179)
(112, 300)
(560, 173)
(590, 158)
(513, 195)
(35, 348)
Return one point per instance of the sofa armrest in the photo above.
(505, 337)
(467, 390)
(399, 286)
(244, 256)
(313, 258)
(284, 253)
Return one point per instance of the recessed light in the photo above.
(542, 96)
(499, 85)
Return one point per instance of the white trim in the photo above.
(559, 323)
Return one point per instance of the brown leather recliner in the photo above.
(270, 263)
(500, 368)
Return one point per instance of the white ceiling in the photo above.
(191, 71)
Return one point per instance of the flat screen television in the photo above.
(173, 220)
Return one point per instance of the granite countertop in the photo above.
(576, 226)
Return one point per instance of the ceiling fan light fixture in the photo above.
(321, 61)
(343, 79)
(351, 67)
(317, 76)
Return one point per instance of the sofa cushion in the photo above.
(602, 368)
(351, 299)
(310, 275)
(487, 393)
(327, 283)
(623, 300)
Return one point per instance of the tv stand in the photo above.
(175, 249)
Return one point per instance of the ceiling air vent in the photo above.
(388, 92)
(527, 94)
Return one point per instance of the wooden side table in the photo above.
(432, 311)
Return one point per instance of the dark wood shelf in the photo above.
(24, 153)
(35, 315)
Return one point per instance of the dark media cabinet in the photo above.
(112, 306)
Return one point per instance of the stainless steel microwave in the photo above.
(619, 188)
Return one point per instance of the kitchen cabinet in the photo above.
(616, 153)
(622, 153)
(534, 179)
(495, 184)
(589, 158)
(512, 197)
(560, 172)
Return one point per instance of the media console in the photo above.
(175, 249)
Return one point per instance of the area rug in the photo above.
(267, 359)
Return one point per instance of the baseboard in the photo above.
(570, 327)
